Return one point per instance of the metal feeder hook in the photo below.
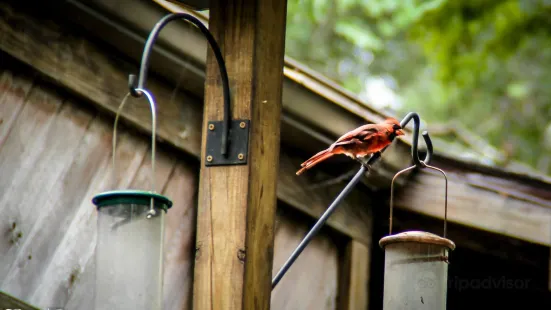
(422, 164)
(137, 84)
(153, 107)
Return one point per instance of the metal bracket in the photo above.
(238, 143)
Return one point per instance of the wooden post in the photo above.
(354, 280)
(236, 211)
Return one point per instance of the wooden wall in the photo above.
(55, 155)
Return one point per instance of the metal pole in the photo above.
(318, 226)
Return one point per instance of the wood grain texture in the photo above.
(312, 281)
(352, 217)
(70, 271)
(79, 65)
(14, 89)
(55, 156)
(499, 247)
(354, 280)
(237, 203)
(269, 46)
(98, 76)
(32, 147)
(478, 205)
(180, 238)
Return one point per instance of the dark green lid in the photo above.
(137, 197)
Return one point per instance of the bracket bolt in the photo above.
(242, 124)
(209, 158)
(211, 126)
(240, 156)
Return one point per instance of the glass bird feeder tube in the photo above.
(129, 251)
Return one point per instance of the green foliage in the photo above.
(484, 63)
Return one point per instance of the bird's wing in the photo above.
(359, 134)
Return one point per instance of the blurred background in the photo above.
(476, 71)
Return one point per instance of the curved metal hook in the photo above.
(415, 141)
(445, 197)
(423, 164)
(153, 107)
(136, 84)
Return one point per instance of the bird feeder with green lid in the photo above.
(129, 253)
(129, 247)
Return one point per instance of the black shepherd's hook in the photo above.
(139, 82)
(417, 163)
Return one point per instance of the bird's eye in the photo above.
(396, 127)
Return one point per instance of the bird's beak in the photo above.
(400, 132)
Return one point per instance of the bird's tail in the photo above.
(314, 160)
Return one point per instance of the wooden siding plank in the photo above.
(312, 281)
(19, 158)
(180, 238)
(477, 206)
(77, 64)
(354, 284)
(60, 148)
(352, 218)
(62, 272)
(14, 89)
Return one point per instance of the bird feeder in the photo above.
(416, 265)
(129, 249)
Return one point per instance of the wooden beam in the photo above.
(479, 201)
(236, 211)
(99, 76)
(354, 283)
(498, 246)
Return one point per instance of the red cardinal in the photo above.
(362, 141)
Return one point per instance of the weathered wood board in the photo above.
(52, 263)
(474, 201)
(312, 281)
(354, 280)
(99, 76)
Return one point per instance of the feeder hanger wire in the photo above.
(137, 83)
(423, 164)
(321, 221)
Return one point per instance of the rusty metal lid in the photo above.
(419, 237)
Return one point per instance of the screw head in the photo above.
(209, 158)
(242, 124)
(211, 126)
(241, 156)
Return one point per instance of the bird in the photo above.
(358, 143)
